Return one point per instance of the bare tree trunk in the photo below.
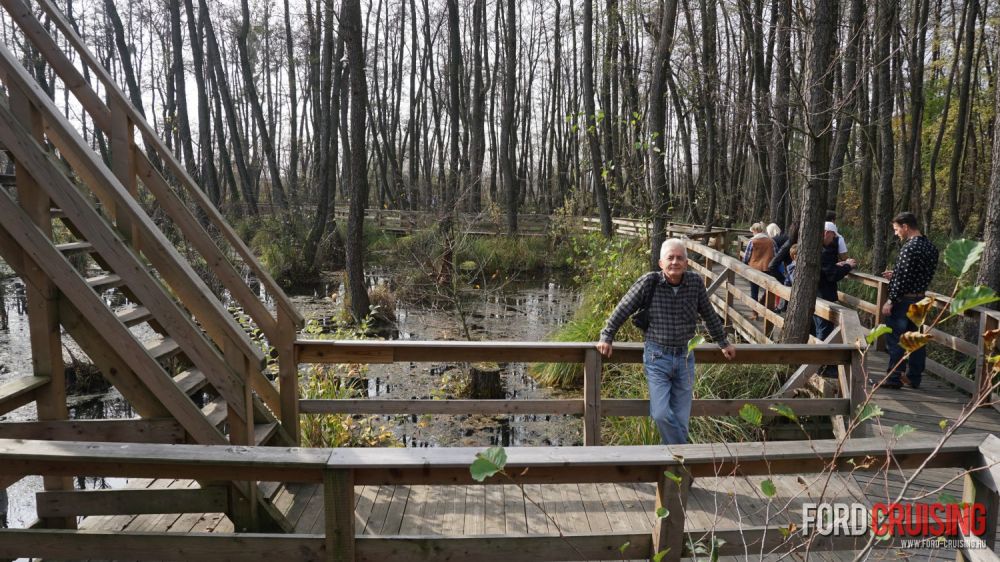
(885, 24)
(328, 123)
(779, 146)
(350, 22)
(208, 174)
(221, 85)
(293, 106)
(508, 133)
(657, 123)
(242, 38)
(453, 182)
(596, 162)
(850, 93)
(912, 165)
(989, 269)
(962, 123)
(180, 90)
(477, 118)
(805, 287)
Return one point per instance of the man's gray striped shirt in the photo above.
(673, 313)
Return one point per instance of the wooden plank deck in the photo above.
(716, 502)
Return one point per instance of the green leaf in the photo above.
(869, 411)
(751, 414)
(971, 297)
(488, 463)
(784, 410)
(624, 547)
(948, 499)
(877, 332)
(662, 512)
(784, 532)
(658, 557)
(768, 488)
(962, 254)
(676, 479)
(943, 424)
(900, 430)
(694, 342)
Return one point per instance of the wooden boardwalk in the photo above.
(720, 502)
(507, 510)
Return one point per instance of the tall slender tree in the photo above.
(805, 286)
(350, 24)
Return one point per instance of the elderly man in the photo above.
(678, 298)
(908, 282)
(832, 270)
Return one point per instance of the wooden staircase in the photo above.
(107, 240)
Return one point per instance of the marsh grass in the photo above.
(605, 269)
(712, 381)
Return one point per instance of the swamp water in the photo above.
(527, 310)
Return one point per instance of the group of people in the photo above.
(678, 299)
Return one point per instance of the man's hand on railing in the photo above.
(729, 352)
(887, 274)
(604, 348)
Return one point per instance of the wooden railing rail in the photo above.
(340, 470)
(591, 406)
(982, 319)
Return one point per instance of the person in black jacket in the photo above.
(831, 271)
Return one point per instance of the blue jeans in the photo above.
(823, 327)
(670, 375)
(900, 324)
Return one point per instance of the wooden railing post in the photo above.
(983, 486)
(730, 299)
(984, 380)
(592, 397)
(668, 533)
(123, 164)
(42, 299)
(881, 296)
(288, 375)
(338, 504)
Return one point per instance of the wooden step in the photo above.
(191, 381)
(75, 248)
(264, 431)
(134, 316)
(20, 391)
(162, 349)
(104, 282)
(216, 411)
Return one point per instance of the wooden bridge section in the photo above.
(213, 464)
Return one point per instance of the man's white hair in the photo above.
(672, 242)
(773, 230)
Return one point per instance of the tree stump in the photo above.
(485, 382)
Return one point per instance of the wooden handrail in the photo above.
(340, 470)
(591, 406)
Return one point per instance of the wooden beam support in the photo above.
(20, 391)
(214, 499)
(338, 503)
(672, 489)
(592, 398)
(164, 430)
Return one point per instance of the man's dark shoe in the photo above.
(906, 380)
(892, 385)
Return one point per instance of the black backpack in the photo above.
(641, 317)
